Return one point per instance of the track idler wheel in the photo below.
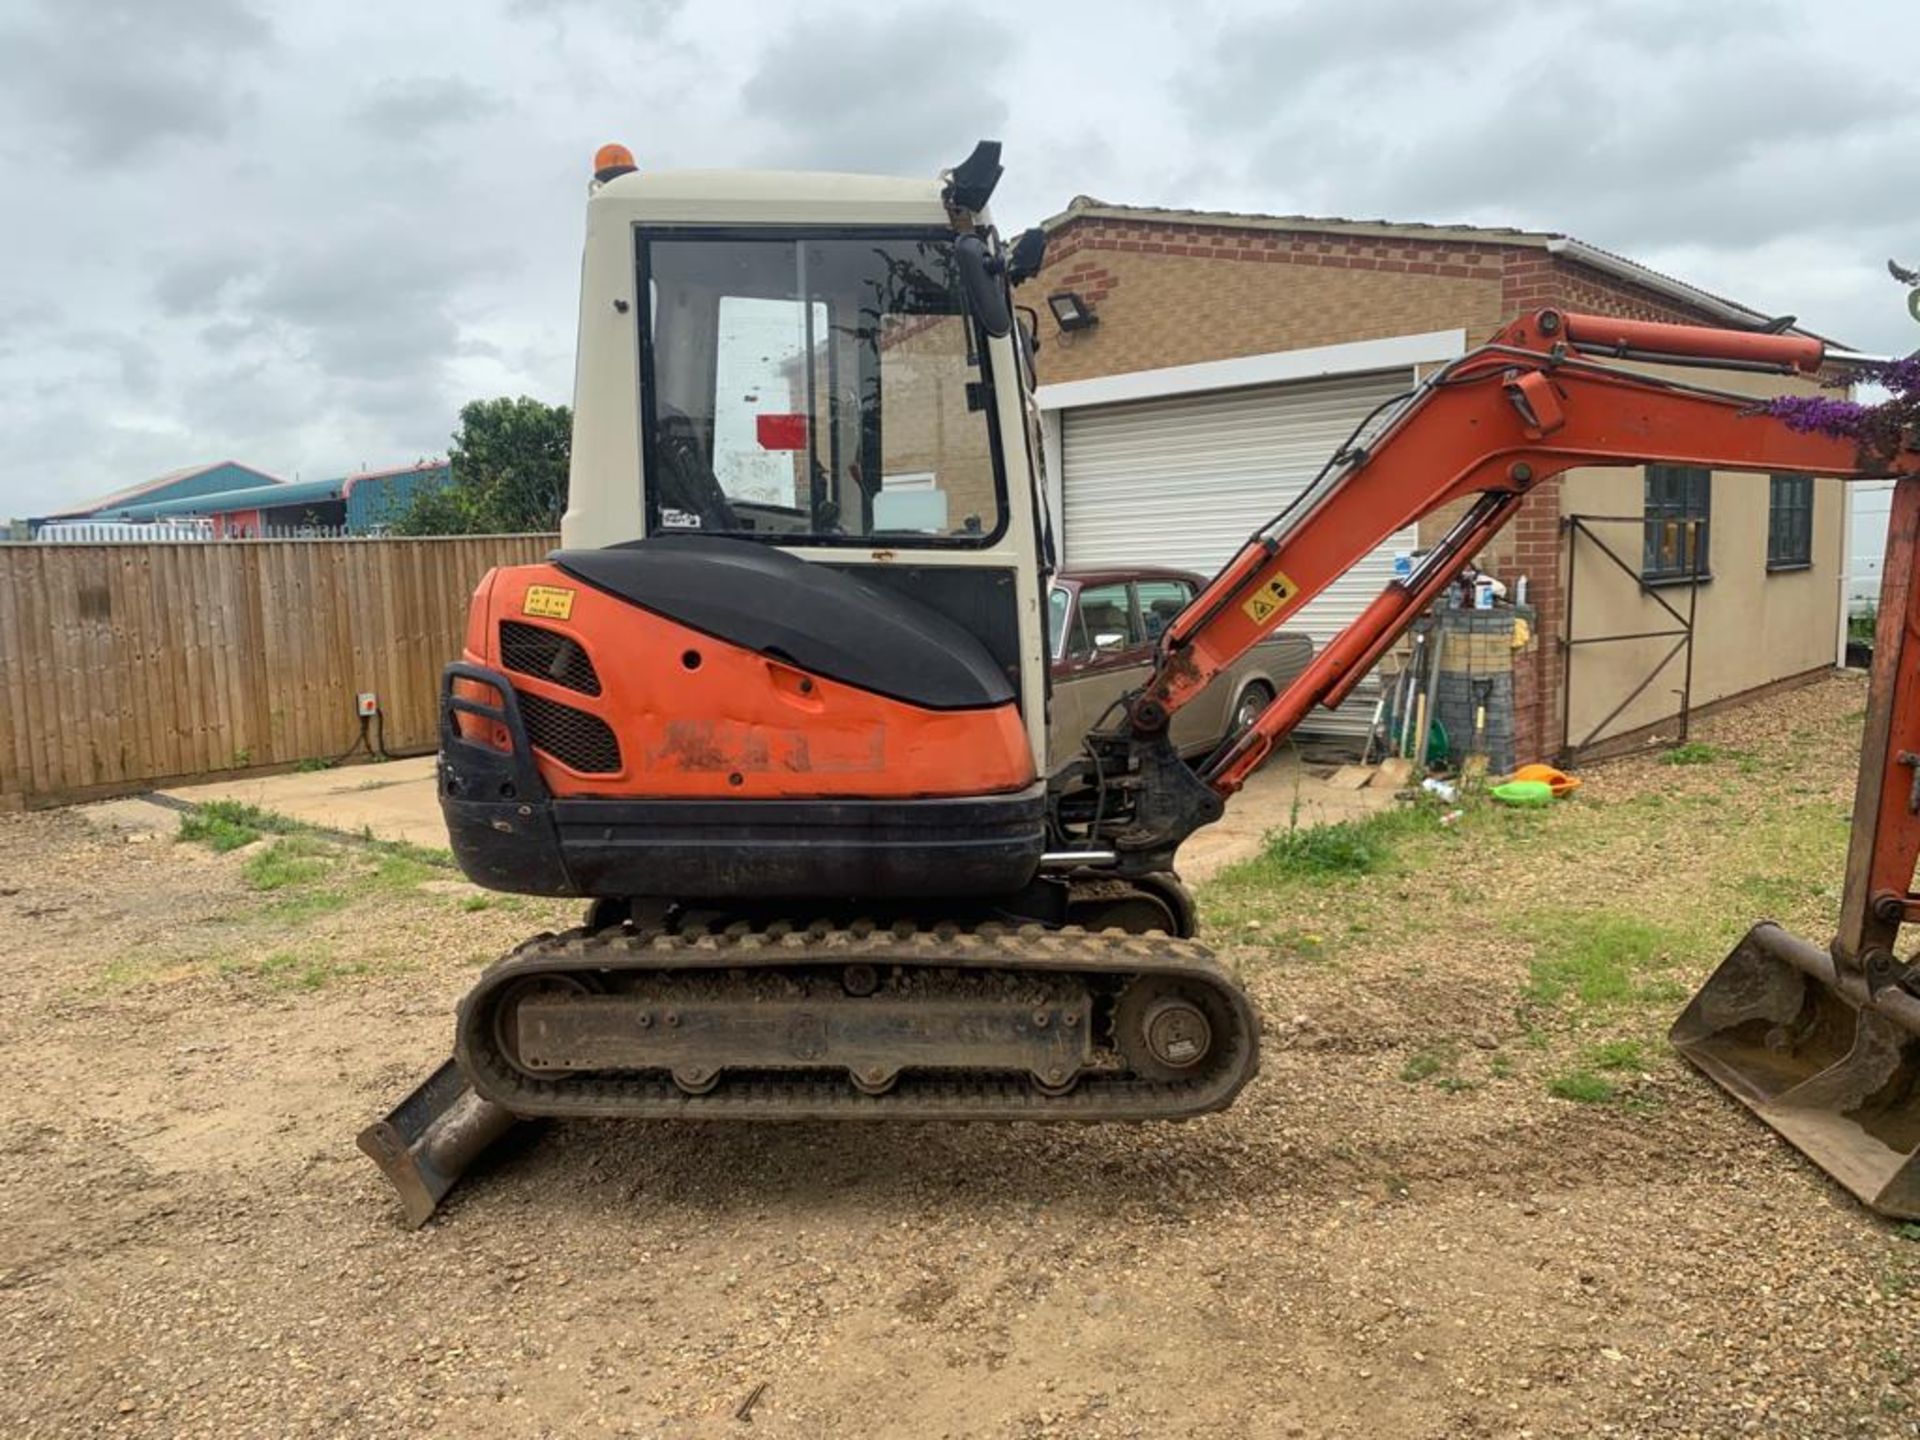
(1165, 1030)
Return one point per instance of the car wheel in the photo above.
(1254, 699)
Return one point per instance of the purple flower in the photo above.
(1842, 419)
(1902, 377)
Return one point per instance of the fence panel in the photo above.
(126, 664)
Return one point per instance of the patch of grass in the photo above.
(1596, 959)
(1456, 1084)
(1582, 1086)
(300, 906)
(293, 860)
(475, 903)
(1421, 1066)
(1430, 1061)
(1500, 1066)
(228, 824)
(296, 970)
(313, 763)
(1694, 752)
(1616, 1055)
(1351, 847)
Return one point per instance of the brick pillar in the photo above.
(1538, 553)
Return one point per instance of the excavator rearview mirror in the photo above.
(980, 272)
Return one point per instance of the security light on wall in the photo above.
(1071, 311)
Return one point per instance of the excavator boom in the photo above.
(1535, 401)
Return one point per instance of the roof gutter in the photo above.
(1621, 268)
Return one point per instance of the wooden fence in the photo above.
(123, 665)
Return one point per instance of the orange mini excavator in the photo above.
(777, 707)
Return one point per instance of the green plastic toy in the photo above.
(1524, 792)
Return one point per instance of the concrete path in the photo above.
(396, 801)
(1284, 793)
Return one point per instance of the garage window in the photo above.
(1790, 523)
(1679, 502)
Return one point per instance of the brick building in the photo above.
(1227, 355)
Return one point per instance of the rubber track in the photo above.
(763, 1095)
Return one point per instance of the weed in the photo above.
(1582, 1086)
(293, 860)
(1456, 1084)
(438, 856)
(1500, 1066)
(1908, 1231)
(1420, 1067)
(228, 824)
(1694, 752)
(1423, 1064)
(313, 763)
(1616, 1055)
(1352, 847)
(300, 906)
(477, 902)
(294, 969)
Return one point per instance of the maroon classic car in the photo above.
(1102, 626)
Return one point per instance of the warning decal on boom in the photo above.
(1270, 598)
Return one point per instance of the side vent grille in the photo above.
(547, 655)
(576, 739)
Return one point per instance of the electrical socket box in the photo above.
(366, 705)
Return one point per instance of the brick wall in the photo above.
(1170, 293)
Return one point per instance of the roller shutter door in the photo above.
(1183, 481)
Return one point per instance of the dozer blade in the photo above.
(1830, 1066)
(430, 1138)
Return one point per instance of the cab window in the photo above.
(814, 389)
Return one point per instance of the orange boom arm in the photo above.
(1528, 405)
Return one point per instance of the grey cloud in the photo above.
(193, 284)
(114, 81)
(905, 93)
(406, 107)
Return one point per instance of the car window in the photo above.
(1059, 605)
(1160, 601)
(1106, 625)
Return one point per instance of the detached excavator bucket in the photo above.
(1820, 1059)
(430, 1138)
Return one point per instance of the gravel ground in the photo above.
(190, 1245)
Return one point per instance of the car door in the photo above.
(1103, 655)
(1203, 720)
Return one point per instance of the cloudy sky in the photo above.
(300, 235)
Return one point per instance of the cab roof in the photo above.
(773, 196)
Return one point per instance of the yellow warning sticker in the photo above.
(1270, 599)
(549, 601)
